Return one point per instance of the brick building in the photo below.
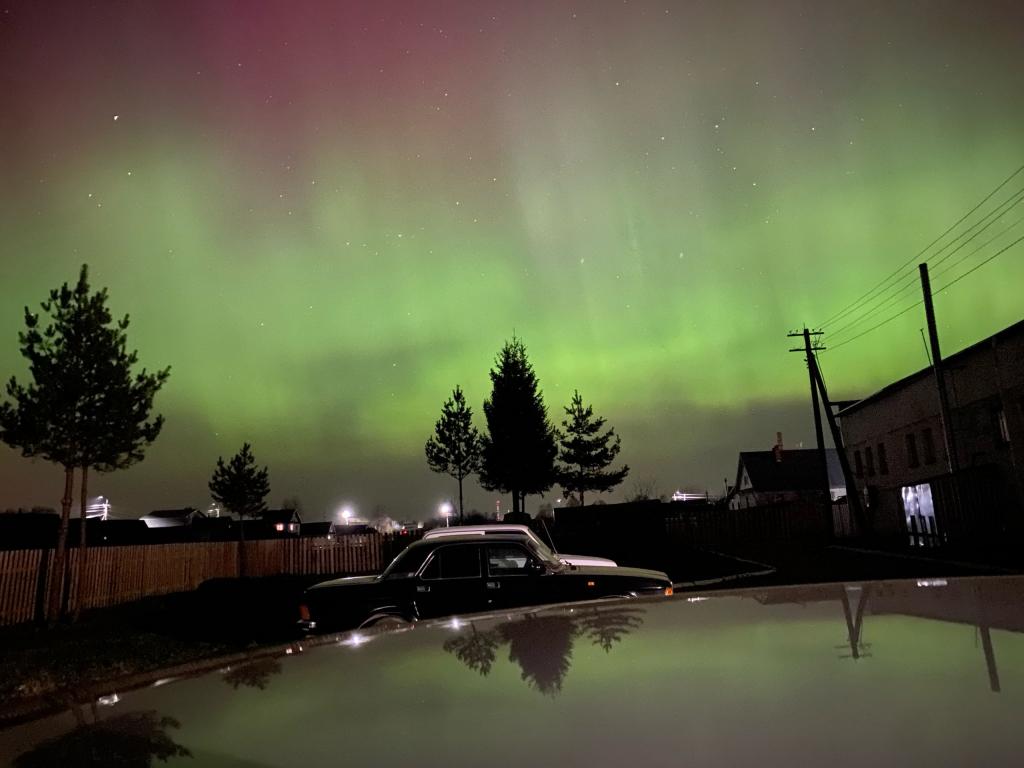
(896, 446)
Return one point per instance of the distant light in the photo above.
(108, 701)
(355, 640)
(931, 582)
(455, 623)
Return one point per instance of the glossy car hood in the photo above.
(587, 560)
(595, 570)
(346, 581)
(891, 673)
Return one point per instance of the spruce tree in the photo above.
(241, 488)
(454, 448)
(84, 407)
(519, 448)
(586, 452)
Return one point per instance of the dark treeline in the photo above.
(521, 452)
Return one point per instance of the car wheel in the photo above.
(385, 621)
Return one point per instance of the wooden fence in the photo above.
(117, 575)
(715, 527)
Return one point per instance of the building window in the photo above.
(912, 459)
(928, 443)
(883, 461)
(278, 526)
(858, 464)
(869, 461)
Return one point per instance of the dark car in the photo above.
(467, 574)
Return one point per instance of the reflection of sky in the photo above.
(723, 681)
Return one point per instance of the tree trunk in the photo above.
(581, 497)
(241, 545)
(83, 550)
(460, 502)
(57, 572)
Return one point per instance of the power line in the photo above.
(976, 267)
(891, 299)
(903, 311)
(846, 310)
(988, 242)
(998, 212)
(876, 327)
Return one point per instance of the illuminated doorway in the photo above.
(920, 512)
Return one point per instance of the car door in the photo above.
(450, 582)
(514, 577)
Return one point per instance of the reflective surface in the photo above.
(892, 673)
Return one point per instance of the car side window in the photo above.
(455, 562)
(508, 560)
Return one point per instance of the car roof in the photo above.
(477, 530)
(728, 678)
(469, 538)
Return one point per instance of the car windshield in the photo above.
(407, 563)
(543, 551)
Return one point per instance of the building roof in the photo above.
(949, 360)
(799, 470)
(317, 526)
(173, 513)
(273, 516)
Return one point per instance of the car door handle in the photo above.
(422, 588)
(493, 584)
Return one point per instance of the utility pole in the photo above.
(809, 350)
(948, 436)
(852, 495)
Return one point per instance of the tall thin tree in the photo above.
(82, 406)
(519, 448)
(241, 488)
(586, 452)
(454, 448)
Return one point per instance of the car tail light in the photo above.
(668, 592)
(304, 612)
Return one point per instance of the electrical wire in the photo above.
(998, 212)
(853, 305)
(952, 282)
(891, 299)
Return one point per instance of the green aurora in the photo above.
(324, 219)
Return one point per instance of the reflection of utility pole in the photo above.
(809, 349)
(986, 642)
(990, 658)
(855, 622)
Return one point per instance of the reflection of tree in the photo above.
(542, 645)
(255, 674)
(605, 628)
(476, 650)
(131, 740)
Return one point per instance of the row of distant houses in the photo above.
(913, 472)
(39, 530)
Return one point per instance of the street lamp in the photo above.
(346, 515)
(446, 512)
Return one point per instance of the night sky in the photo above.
(325, 215)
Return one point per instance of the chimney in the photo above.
(777, 449)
